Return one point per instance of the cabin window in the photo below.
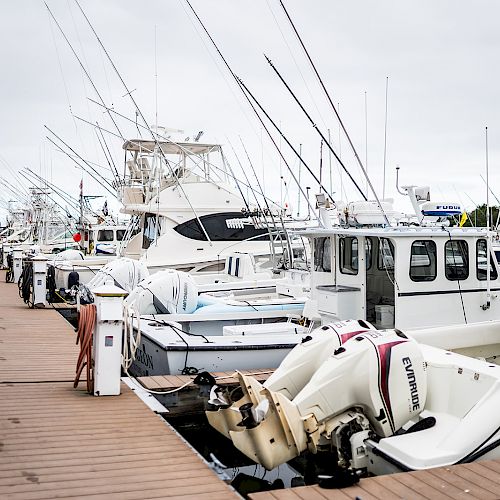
(456, 260)
(120, 234)
(105, 235)
(481, 271)
(385, 254)
(151, 229)
(322, 255)
(217, 229)
(423, 260)
(368, 253)
(348, 255)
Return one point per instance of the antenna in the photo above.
(366, 140)
(488, 235)
(385, 133)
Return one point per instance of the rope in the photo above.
(85, 334)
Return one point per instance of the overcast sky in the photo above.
(441, 58)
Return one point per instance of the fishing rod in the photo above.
(241, 87)
(82, 167)
(66, 196)
(103, 179)
(72, 202)
(82, 67)
(308, 116)
(68, 215)
(269, 209)
(139, 113)
(31, 178)
(259, 208)
(105, 154)
(336, 114)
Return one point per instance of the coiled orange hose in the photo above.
(85, 334)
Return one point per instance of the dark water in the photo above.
(244, 475)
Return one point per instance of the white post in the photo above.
(18, 263)
(108, 339)
(39, 281)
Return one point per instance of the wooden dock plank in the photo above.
(56, 441)
(170, 382)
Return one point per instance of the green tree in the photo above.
(477, 217)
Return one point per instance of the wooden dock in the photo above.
(56, 441)
(192, 399)
(478, 480)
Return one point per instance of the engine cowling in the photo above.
(165, 292)
(305, 358)
(126, 273)
(381, 372)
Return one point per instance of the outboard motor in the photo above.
(295, 371)
(69, 254)
(73, 279)
(126, 273)
(372, 384)
(165, 292)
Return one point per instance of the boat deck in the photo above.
(56, 441)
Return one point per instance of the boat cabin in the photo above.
(404, 277)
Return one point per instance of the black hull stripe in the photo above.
(444, 292)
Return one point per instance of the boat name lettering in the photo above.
(184, 298)
(413, 383)
(144, 358)
(447, 207)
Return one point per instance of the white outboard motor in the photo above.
(374, 383)
(305, 358)
(165, 292)
(294, 372)
(69, 254)
(126, 273)
(439, 211)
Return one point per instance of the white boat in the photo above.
(183, 328)
(190, 214)
(99, 246)
(378, 401)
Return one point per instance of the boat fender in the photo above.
(73, 279)
(422, 425)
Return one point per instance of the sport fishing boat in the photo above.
(189, 209)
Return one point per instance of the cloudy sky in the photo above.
(441, 58)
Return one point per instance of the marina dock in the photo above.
(56, 441)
